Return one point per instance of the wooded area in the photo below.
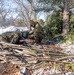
(36, 37)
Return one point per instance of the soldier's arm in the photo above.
(31, 32)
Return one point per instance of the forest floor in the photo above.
(37, 59)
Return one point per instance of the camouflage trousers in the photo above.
(10, 37)
(37, 37)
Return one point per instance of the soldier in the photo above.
(36, 32)
(11, 37)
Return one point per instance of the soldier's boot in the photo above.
(37, 39)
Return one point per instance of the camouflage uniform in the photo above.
(11, 37)
(38, 33)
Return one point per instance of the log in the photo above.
(24, 49)
(64, 58)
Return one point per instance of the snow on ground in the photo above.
(12, 29)
(68, 47)
(8, 29)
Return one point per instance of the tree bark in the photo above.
(66, 17)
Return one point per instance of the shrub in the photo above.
(72, 24)
(53, 25)
(69, 37)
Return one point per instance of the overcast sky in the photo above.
(11, 4)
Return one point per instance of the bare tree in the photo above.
(27, 10)
(3, 11)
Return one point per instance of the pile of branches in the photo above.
(33, 56)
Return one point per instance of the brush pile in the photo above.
(35, 60)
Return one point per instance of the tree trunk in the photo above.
(66, 17)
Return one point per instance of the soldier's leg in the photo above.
(14, 39)
(3, 38)
(31, 36)
(38, 38)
